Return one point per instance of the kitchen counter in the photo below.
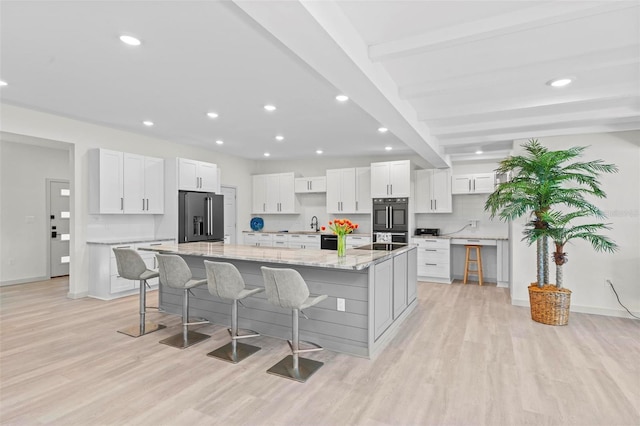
(359, 234)
(117, 241)
(463, 237)
(377, 288)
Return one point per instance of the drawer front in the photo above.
(279, 237)
(431, 243)
(295, 238)
(282, 244)
(474, 241)
(310, 239)
(432, 255)
(427, 269)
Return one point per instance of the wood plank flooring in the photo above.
(465, 357)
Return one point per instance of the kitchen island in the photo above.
(376, 289)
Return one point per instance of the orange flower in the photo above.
(323, 228)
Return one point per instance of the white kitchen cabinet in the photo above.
(143, 184)
(434, 259)
(125, 183)
(194, 175)
(304, 241)
(479, 183)
(308, 185)
(391, 179)
(104, 281)
(363, 190)
(341, 190)
(258, 239)
(433, 191)
(274, 193)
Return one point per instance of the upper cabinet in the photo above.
(433, 191)
(348, 190)
(391, 179)
(307, 185)
(478, 183)
(125, 183)
(196, 175)
(274, 193)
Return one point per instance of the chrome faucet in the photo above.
(314, 223)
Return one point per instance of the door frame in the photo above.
(47, 234)
(235, 189)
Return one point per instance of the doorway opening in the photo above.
(230, 214)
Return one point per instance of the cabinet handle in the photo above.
(473, 241)
(155, 244)
(143, 204)
(435, 203)
(431, 264)
(391, 185)
(357, 206)
(264, 208)
(474, 185)
(147, 204)
(121, 203)
(431, 204)
(469, 185)
(430, 250)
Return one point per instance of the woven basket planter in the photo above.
(549, 305)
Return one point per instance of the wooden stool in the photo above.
(477, 261)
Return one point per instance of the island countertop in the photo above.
(355, 260)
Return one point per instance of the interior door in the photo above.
(59, 216)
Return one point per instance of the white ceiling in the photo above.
(446, 77)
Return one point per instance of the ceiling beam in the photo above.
(321, 35)
(508, 23)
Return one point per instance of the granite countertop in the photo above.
(354, 260)
(115, 241)
(462, 237)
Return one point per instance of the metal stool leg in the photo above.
(144, 327)
(187, 337)
(235, 351)
(292, 366)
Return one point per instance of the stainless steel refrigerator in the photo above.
(201, 217)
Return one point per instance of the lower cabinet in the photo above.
(303, 241)
(382, 297)
(399, 285)
(434, 259)
(104, 281)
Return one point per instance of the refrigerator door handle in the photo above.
(386, 218)
(209, 221)
(186, 218)
(391, 216)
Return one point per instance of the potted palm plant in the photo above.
(542, 179)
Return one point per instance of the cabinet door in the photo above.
(461, 184)
(154, 185)
(423, 199)
(334, 190)
(400, 178)
(208, 174)
(259, 194)
(441, 191)
(382, 297)
(348, 202)
(188, 179)
(134, 198)
(287, 195)
(483, 183)
(412, 275)
(318, 184)
(399, 284)
(363, 190)
(272, 186)
(379, 180)
(302, 185)
(111, 187)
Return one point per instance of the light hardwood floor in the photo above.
(466, 357)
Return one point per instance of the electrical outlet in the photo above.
(341, 304)
(472, 223)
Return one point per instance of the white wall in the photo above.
(85, 136)
(24, 233)
(586, 271)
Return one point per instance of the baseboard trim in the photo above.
(587, 310)
(22, 281)
(77, 295)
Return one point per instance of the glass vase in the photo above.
(342, 245)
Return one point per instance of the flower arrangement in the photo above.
(341, 227)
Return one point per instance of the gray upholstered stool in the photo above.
(286, 288)
(132, 267)
(175, 273)
(224, 281)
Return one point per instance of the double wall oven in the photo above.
(391, 219)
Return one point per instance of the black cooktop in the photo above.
(382, 246)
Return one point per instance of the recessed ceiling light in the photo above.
(479, 152)
(148, 123)
(382, 129)
(212, 114)
(342, 98)
(270, 107)
(279, 138)
(3, 83)
(559, 82)
(131, 41)
(318, 151)
(388, 148)
(266, 154)
(219, 142)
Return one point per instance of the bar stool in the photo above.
(286, 288)
(132, 267)
(175, 273)
(224, 281)
(477, 261)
